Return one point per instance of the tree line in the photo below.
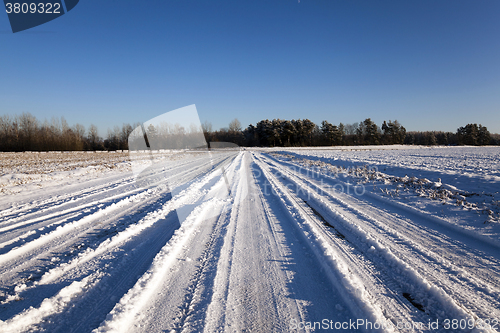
(297, 133)
(471, 135)
(26, 133)
(303, 132)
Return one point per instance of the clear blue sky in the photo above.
(433, 65)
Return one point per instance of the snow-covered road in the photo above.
(269, 245)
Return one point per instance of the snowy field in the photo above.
(353, 239)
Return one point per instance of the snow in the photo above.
(383, 239)
(463, 182)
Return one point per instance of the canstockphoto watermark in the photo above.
(170, 151)
(328, 324)
(368, 325)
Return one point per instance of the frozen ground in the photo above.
(281, 241)
(457, 179)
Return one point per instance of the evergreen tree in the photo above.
(369, 131)
(483, 136)
(393, 132)
(308, 128)
(473, 135)
(331, 133)
(287, 131)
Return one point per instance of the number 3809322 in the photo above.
(40, 8)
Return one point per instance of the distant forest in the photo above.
(26, 133)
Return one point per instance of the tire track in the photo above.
(433, 256)
(417, 287)
(369, 290)
(114, 268)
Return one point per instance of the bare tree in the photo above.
(79, 130)
(207, 127)
(126, 130)
(235, 126)
(28, 127)
(93, 137)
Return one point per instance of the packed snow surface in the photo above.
(373, 239)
